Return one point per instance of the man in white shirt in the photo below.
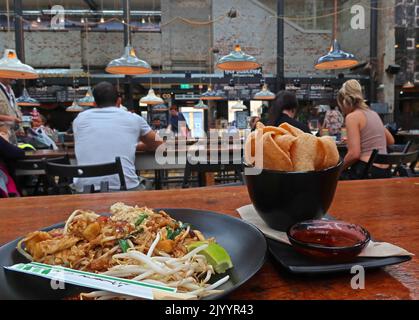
(103, 133)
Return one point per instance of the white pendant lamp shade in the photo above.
(212, 95)
(237, 60)
(88, 100)
(26, 101)
(239, 106)
(408, 85)
(12, 68)
(74, 107)
(201, 105)
(264, 94)
(128, 64)
(151, 99)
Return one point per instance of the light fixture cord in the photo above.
(87, 52)
(128, 21)
(335, 22)
(8, 19)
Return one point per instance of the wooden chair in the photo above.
(36, 168)
(67, 172)
(401, 164)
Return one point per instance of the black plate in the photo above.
(235, 235)
(297, 263)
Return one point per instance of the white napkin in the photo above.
(373, 250)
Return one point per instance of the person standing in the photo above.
(177, 122)
(10, 115)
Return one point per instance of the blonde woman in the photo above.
(365, 132)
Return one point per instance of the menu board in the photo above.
(241, 119)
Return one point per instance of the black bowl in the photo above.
(283, 199)
(328, 240)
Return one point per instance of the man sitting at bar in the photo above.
(103, 133)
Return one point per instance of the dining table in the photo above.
(151, 161)
(387, 208)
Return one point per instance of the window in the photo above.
(315, 14)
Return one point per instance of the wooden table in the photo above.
(387, 208)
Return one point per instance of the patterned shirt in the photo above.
(333, 121)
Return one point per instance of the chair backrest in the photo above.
(400, 148)
(392, 159)
(36, 166)
(396, 158)
(210, 167)
(89, 171)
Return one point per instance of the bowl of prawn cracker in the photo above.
(296, 177)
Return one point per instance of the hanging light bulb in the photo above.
(26, 101)
(212, 95)
(264, 94)
(88, 100)
(237, 60)
(12, 68)
(38, 19)
(128, 64)
(143, 21)
(151, 99)
(82, 20)
(239, 106)
(102, 20)
(74, 107)
(123, 21)
(201, 105)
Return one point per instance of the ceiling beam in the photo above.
(92, 4)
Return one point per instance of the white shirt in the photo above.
(101, 135)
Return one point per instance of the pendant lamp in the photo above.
(239, 106)
(264, 94)
(88, 100)
(128, 64)
(151, 98)
(336, 59)
(237, 60)
(212, 95)
(74, 107)
(26, 101)
(12, 68)
(201, 105)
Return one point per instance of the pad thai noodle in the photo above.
(133, 243)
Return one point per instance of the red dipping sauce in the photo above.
(332, 240)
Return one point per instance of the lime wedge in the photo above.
(216, 255)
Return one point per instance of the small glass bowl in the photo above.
(328, 240)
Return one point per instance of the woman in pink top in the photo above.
(365, 132)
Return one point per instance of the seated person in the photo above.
(8, 154)
(103, 133)
(365, 132)
(40, 122)
(284, 109)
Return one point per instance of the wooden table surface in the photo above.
(389, 209)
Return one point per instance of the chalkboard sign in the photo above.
(241, 119)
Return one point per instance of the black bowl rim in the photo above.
(308, 245)
(338, 166)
